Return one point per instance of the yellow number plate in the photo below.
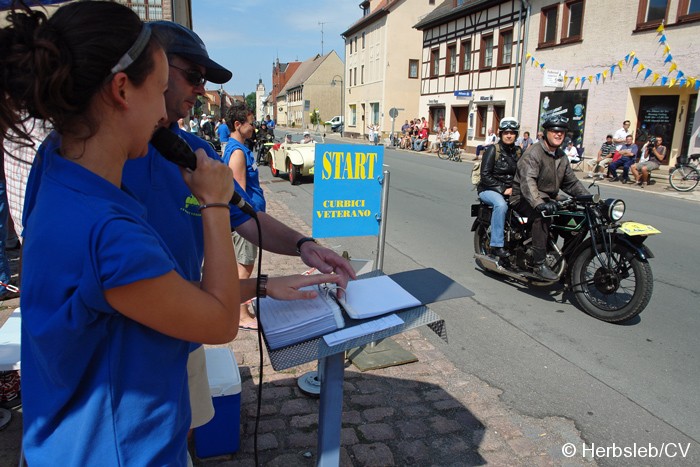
(635, 228)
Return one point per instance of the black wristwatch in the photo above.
(262, 286)
(302, 241)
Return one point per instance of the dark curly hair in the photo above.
(50, 69)
(238, 112)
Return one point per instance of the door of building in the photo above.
(461, 120)
(657, 117)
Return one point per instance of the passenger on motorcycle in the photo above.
(498, 169)
(542, 171)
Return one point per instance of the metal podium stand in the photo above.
(331, 362)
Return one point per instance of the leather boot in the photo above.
(499, 251)
(540, 268)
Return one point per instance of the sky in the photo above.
(246, 36)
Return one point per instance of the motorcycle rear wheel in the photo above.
(612, 296)
(482, 240)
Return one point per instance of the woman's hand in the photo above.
(508, 192)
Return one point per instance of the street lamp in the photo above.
(342, 102)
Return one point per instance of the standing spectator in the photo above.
(491, 139)
(224, 133)
(194, 125)
(241, 161)
(270, 123)
(206, 128)
(405, 127)
(652, 156)
(628, 151)
(370, 133)
(605, 157)
(620, 136)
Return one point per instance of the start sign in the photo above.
(347, 192)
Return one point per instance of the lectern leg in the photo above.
(330, 410)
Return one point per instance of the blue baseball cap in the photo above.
(178, 40)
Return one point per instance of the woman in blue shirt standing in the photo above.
(107, 318)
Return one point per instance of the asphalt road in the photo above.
(622, 384)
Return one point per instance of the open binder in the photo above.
(289, 322)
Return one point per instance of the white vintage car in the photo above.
(295, 159)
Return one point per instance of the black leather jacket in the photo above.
(497, 175)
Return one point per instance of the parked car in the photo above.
(296, 159)
(335, 123)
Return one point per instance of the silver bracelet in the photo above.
(213, 205)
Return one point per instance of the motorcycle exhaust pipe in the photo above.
(492, 265)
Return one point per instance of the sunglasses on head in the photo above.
(194, 77)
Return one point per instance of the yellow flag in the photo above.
(632, 54)
(655, 77)
(673, 67)
(660, 28)
(691, 81)
(667, 49)
(537, 63)
(527, 56)
(671, 82)
(605, 74)
(619, 64)
(578, 80)
(641, 67)
(590, 78)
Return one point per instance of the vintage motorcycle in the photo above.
(601, 260)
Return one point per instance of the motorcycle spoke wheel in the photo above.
(612, 294)
(482, 240)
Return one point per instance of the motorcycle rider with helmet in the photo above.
(542, 171)
(498, 169)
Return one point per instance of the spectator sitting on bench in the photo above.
(605, 157)
(421, 140)
(572, 153)
(650, 159)
(490, 139)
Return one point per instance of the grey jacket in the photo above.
(542, 174)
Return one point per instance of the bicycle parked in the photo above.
(686, 175)
(450, 152)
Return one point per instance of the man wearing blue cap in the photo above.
(172, 210)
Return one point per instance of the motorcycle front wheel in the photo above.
(614, 294)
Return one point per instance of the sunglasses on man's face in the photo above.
(192, 76)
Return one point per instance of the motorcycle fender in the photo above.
(475, 225)
(640, 249)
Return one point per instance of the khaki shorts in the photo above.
(650, 165)
(201, 404)
(246, 252)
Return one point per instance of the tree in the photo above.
(250, 100)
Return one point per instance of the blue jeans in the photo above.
(498, 218)
(625, 163)
(5, 272)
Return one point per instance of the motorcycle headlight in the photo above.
(616, 209)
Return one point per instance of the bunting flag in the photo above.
(612, 70)
(542, 65)
(671, 82)
(578, 80)
(590, 78)
(605, 74)
(680, 74)
(583, 80)
(641, 67)
(660, 29)
(667, 49)
(597, 78)
(672, 67)
(697, 85)
(527, 56)
(664, 80)
(635, 62)
(619, 65)
(627, 58)
(647, 74)
(663, 39)
(655, 78)
(669, 58)
(537, 63)
(682, 83)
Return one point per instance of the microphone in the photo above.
(176, 150)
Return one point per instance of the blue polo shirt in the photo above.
(252, 178)
(97, 387)
(224, 133)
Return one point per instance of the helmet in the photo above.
(556, 122)
(509, 124)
